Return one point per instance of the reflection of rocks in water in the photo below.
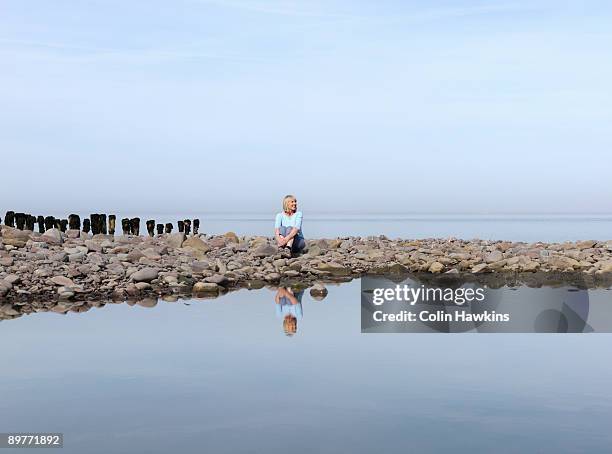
(318, 292)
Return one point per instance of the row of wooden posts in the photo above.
(96, 224)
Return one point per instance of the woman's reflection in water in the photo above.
(289, 308)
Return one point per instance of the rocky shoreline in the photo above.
(60, 269)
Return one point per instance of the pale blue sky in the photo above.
(226, 105)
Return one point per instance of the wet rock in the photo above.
(318, 292)
(335, 269)
(205, 287)
(145, 275)
(217, 279)
(147, 302)
(436, 267)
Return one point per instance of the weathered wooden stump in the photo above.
(95, 223)
(112, 219)
(196, 226)
(103, 228)
(57, 224)
(20, 219)
(86, 225)
(125, 226)
(63, 225)
(151, 227)
(9, 219)
(74, 221)
(160, 229)
(135, 226)
(41, 224)
(187, 224)
(30, 221)
(49, 222)
(169, 227)
(181, 226)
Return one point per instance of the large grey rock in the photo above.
(318, 292)
(265, 250)
(494, 256)
(51, 236)
(196, 243)
(145, 275)
(175, 240)
(62, 281)
(15, 237)
(334, 268)
(216, 279)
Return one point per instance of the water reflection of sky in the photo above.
(221, 376)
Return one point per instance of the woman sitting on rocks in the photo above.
(288, 226)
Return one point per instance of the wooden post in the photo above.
(103, 224)
(20, 219)
(41, 224)
(187, 224)
(135, 226)
(160, 229)
(181, 226)
(112, 219)
(74, 222)
(196, 226)
(95, 223)
(169, 227)
(9, 219)
(125, 226)
(49, 222)
(63, 224)
(30, 221)
(86, 225)
(151, 227)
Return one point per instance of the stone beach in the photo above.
(74, 270)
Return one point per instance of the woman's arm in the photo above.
(279, 238)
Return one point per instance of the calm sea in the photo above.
(530, 228)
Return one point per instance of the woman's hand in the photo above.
(281, 241)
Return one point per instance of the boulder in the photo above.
(51, 236)
(265, 250)
(231, 237)
(196, 243)
(145, 275)
(318, 292)
(436, 267)
(175, 240)
(15, 237)
(494, 256)
(205, 287)
(217, 279)
(334, 268)
(62, 281)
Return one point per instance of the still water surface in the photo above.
(529, 228)
(221, 376)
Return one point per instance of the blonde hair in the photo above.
(290, 325)
(286, 202)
